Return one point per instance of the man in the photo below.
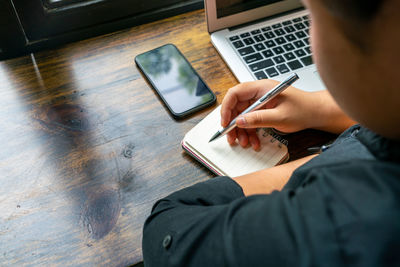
(336, 209)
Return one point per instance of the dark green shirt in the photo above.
(340, 209)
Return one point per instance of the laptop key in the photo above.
(234, 38)
(294, 65)
(305, 17)
(290, 56)
(287, 22)
(270, 43)
(306, 60)
(301, 34)
(288, 47)
(282, 68)
(259, 38)
(307, 23)
(279, 59)
(296, 20)
(290, 37)
(259, 47)
(246, 50)
(261, 65)
(269, 35)
(267, 53)
(299, 26)
(276, 26)
(244, 35)
(265, 29)
(308, 49)
(307, 41)
(298, 43)
(278, 50)
(248, 41)
(272, 72)
(238, 44)
(255, 32)
(260, 75)
(300, 53)
(289, 29)
(279, 32)
(252, 58)
(280, 40)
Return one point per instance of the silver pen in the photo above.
(256, 105)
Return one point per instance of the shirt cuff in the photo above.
(216, 191)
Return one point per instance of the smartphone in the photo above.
(179, 86)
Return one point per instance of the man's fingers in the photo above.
(253, 139)
(226, 115)
(259, 118)
(243, 92)
(242, 137)
(231, 137)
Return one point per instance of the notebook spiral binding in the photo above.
(271, 132)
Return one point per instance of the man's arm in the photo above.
(271, 179)
(213, 224)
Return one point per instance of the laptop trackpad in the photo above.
(310, 80)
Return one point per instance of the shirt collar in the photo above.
(381, 147)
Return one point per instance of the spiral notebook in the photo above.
(224, 159)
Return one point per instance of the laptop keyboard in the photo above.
(276, 49)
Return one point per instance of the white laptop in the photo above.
(261, 39)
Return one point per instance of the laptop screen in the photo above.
(230, 7)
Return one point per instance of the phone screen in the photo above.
(177, 83)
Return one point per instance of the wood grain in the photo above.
(87, 147)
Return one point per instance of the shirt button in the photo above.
(167, 241)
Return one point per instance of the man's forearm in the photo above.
(268, 180)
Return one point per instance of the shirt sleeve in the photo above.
(213, 224)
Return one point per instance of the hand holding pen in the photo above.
(291, 111)
(243, 101)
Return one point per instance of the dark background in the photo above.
(27, 26)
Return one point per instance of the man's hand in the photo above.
(292, 110)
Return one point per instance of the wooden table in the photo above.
(87, 147)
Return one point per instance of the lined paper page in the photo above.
(232, 160)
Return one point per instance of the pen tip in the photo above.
(215, 136)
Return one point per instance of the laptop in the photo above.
(263, 39)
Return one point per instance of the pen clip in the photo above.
(320, 149)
